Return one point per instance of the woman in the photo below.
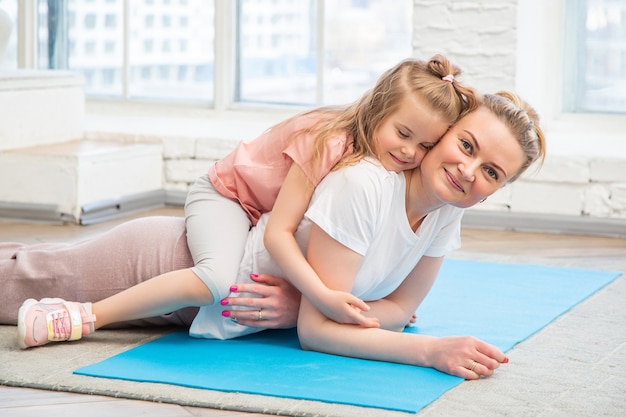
(485, 150)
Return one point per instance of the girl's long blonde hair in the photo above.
(447, 98)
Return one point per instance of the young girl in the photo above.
(358, 216)
(409, 109)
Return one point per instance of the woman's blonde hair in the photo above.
(447, 98)
(523, 122)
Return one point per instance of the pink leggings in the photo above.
(97, 268)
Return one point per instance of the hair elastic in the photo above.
(449, 78)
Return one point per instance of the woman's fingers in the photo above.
(491, 352)
(467, 357)
(269, 280)
(271, 303)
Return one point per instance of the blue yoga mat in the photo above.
(502, 304)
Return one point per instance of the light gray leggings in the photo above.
(99, 267)
(217, 229)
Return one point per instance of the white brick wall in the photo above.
(185, 159)
(572, 186)
(479, 34)
(563, 186)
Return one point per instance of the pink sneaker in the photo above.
(53, 320)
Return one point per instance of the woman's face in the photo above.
(404, 137)
(473, 159)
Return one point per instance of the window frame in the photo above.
(540, 69)
(225, 64)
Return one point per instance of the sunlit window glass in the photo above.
(172, 50)
(8, 34)
(595, 70)
(280, 59)
(277, 51)
(86, 37)
(362, 40)
(169, 47)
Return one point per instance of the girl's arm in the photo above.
(289, 208)
(453, 355)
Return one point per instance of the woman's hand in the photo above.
(272, 303)
(466, 357)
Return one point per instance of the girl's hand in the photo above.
(275, 298)
(466, 357)
(345, 308)
(412, 320)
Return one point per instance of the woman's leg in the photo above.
(118, 260)
(94, 269)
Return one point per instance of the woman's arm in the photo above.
(398, 308)
(289, 208)
(453, 355)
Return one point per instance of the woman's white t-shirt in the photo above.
(363, 208)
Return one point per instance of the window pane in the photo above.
(8, 34)
(277, 51)
(86, 37)
(278, 54)
(170, 46)
(363, 39)
(172, 50)
(595, 71)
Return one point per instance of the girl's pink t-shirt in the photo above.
(254, 171)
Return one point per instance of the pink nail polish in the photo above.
(254, 275)
(224, 302)
(226, 313)
(506, 360)
(233, 288)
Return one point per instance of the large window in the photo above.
(8, 34)
(595, 56)
(287, 52)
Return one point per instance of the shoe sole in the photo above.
(21, 316)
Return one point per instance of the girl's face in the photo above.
(474, 158)
(405, 136)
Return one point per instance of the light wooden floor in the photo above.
(578, 251)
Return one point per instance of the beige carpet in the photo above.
(50, 367)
